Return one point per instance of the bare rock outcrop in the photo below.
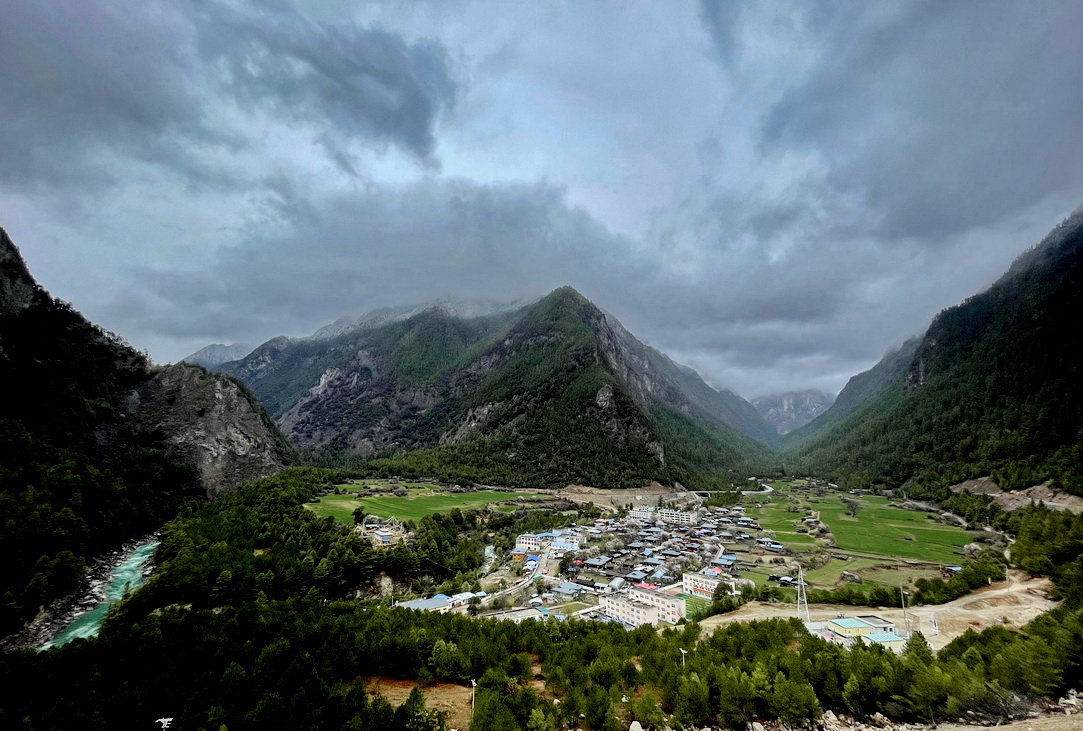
(216, 424)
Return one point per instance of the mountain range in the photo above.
(552, 392)
(794, 409)
(557, 391)
(993, 388)
(98, 445)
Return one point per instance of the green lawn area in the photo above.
(570, 607)
(694, 604)
(775, 517)
(884, 530)
(827, 576)
(421, 502)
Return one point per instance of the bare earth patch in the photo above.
(603, 498)
(454, 700)
(1049, 723)
(1008, 604)
(1021, 498)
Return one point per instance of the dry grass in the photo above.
(453, 700)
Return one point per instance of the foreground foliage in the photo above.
(76, 477)
(246, 626)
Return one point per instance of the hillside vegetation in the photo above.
(550, 394)
(994, 388)
(76, 477)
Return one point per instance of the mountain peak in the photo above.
(17, 286)
(794, 409)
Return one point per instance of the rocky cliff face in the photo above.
(789, 411)
(359, 409)
(17, 287)
(214, 423)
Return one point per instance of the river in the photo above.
(128, 574)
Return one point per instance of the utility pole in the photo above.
(802, 596)
(906, 620)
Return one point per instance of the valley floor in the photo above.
(1009, 604)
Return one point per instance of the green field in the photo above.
(827, 576)
(775, 517)
(883, 530)
(421, 501)
(694, 604)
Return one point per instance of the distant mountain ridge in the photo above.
(794, 409)
(495, 384)
(371, 319)
(214, 355)
(878, 383)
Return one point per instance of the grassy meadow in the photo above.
(421, 500)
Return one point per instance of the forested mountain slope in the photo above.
(993, 388)
(83, 464)
(872, 391)
(552, 393)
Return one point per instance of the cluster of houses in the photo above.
(658, 544)
(869, 629)
(655, 560)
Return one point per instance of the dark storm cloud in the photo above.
(89, 84)
(362, 84)
(771, 192)
(323, 257)
(719, 18)
(940, 116)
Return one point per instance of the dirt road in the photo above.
(1009, 604)
(1048, 723)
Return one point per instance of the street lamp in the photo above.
(684, 653)
(473, 684)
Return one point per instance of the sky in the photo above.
(774, 193)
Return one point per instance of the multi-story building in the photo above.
(704, 586)
(626, 610)
(678, 517)
(666, 515)
(670, 608)
(531, 541)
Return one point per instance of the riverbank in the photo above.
(90, 594)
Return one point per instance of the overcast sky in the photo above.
(771, 192)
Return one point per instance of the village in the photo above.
(658, 566)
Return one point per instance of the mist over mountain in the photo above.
(794, 409)
(216, 354)
(460, 308)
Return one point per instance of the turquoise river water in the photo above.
(128, 574)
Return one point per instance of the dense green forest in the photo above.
(995, 388)
(243, 627)
(77, 479)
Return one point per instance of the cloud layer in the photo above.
(773, 194)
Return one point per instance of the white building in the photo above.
(678, 517)
(704, 586)
(530, 541)
(670, 608)
(666, 515)
(628, 611)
